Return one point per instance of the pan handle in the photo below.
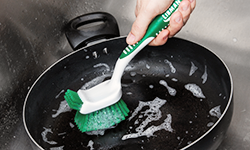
(91, 27)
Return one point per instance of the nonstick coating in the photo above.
(191, 126)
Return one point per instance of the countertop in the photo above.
(31, 39)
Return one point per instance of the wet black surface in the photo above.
(189, 115)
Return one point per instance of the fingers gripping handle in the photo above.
(160, 23)
(157, 25)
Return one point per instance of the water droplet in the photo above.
(132, 74)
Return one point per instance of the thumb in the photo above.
(139, 28)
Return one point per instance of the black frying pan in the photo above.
(185, 120)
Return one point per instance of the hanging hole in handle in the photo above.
(89, 28)
(92, 26)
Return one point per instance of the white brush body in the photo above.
(108, 92)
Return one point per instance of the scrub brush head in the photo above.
(100, 119)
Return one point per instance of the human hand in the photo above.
(145, 12)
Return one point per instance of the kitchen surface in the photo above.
(32, 38)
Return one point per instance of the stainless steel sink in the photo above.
(32, 38)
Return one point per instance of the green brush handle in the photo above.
(157, 25)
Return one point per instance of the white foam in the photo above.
(210, 124)
(91, 145)
(63, 107)
(192, 69)
(151, 86)
(173, 70)
(195, 89)
(216, 112)
(57, 148)
(102, 65)
(71, 125)
(132, 74)
(171, 90)
(204, 76)
(150, 115)
(166, 125)
(96, 132)
(94, 82)
(147, 66)
(62, 91)
(174, 79)
(107, 68)
(129, 68)
(129, 93)
(44, 136)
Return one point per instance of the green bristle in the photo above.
(123, 107)
(73, 100)
(119, 113)
(81, 120)
(102, 119)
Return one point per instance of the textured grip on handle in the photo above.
(156, 26)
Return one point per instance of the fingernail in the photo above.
(130, 38)
(191, 1)
(184, 8)
(178, 19)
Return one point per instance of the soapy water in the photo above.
(57, 148)
(147, 66)
(94, 82)
(152, 114)
(166, 125)
(102, 65)
(91, 145)
(210, 124)
(63, 107)
(59, 94)
(171, 90)
(174, 79)
(154, 107)
(99, 132)
(216, 111)
(172, 68)
(204, 76)
(44, 136)
(195, 89)
(192, 69)
(106, 73)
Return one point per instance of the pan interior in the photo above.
(175, 92)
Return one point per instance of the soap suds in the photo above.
(216, 112)
(204, 76)
(91, 145)
(171, 90)
(173, 70)
(151, 114)
(61, 92)
(96, 132)
(94, 82)
(64, 107)
(57, 148)
(44, 136)
(192, 69)
(166, 125)
(195, 89)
